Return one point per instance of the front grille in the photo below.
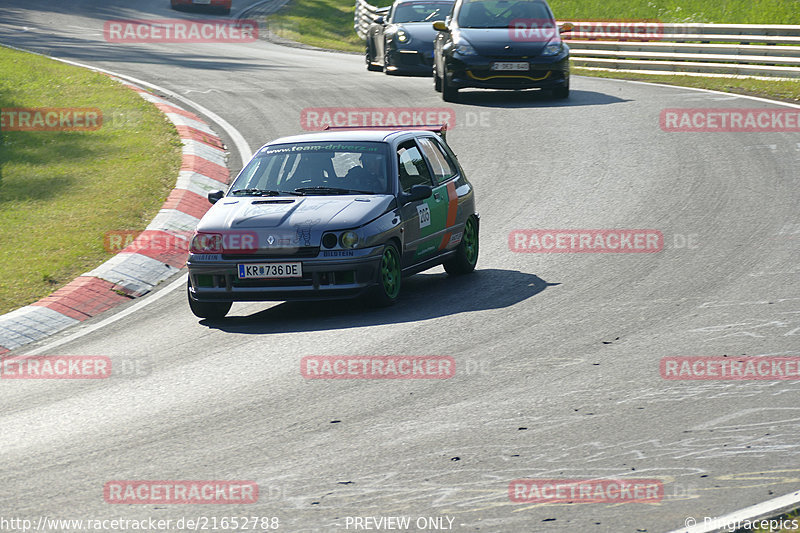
(304, 251)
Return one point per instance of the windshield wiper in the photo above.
(329, 190)
(260, 192)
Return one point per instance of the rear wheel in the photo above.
(466, 257)
(449, 93)
(387, 290)
(211, 310)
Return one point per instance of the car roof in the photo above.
(371, 135)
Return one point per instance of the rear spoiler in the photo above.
(438, 129)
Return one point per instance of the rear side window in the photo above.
(443, 168)
(411, 166)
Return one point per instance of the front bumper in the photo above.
(409, 61)
(475, 71)
(332, 274)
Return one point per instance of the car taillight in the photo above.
(206, 243)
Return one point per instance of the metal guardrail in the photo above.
(710, 49)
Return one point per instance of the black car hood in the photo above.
(494, 42)
(422, 34)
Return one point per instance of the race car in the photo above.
(500, 44)
(334, 214)
(224, 6)
(401, 42)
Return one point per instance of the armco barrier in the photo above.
(752, 50)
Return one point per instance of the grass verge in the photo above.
(61, 191)
(788, 91)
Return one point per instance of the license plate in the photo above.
(271, 270)
(511, 65)
(206, 2)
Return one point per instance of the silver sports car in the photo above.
(334, 214)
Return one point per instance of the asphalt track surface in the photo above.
(566, 346)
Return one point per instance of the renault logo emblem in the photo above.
(270, 240)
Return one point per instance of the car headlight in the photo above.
(465, 49)
(553, 49)
(206, 243)
(402, 36)
(349, 239)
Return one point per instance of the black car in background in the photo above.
(402, 41)
(500, 44)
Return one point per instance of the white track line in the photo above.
(760, 511)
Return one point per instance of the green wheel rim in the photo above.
(390, 272)
(470, 241)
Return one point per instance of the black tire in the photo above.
(561, 92)
(371, 66)
(449, 93)
(386, 292)
(211, 310)
(437, 81)
(466, 256)
(386, 64)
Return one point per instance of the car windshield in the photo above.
(420, 11)
(315, 168)
(503, 13)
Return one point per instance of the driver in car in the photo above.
(369, 176)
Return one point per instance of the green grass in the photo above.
(788, 91)
(60, 192)
(708, 11)
(322, 23)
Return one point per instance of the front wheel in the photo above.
(466, 256)
(387, 290)
(561, 92)
(437, 81)
(370, 57)
(212, 310)
(449, 93)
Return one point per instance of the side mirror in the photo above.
(417, 192)
(566, 27)
(439, 25)
(380, 20)
(215, 196)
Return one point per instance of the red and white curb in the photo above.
(130, 274)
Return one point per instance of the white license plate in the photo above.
(205, 2)
(271, 270)
(509, 65)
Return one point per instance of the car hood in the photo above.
(493, 42)
(293, 221)
(422, 33)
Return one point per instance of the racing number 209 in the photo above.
(424, 213)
